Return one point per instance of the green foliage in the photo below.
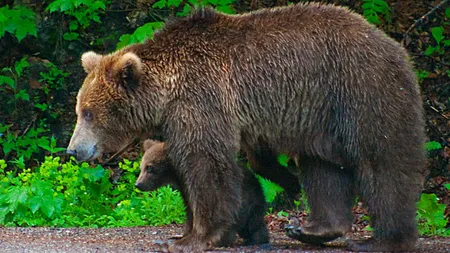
(440, 41)
(84, 12)
(23, 146)
(372, 9)
(422, 74)
(140, 35)
(224, 6)
(432, 145)
(283, 160)
(35, 139)
(183, 8)
(430, 215)
(8, 82)
(68, 194)
(19, 21)
(269, 188)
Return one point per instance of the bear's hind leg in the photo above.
(390, 192)
(330, 192)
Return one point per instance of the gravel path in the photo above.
(140, 239)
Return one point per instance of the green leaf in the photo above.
(47, 203)
(73, 25)
(22, 94)
(17, 195)
(93, 174)
(19, 66)
(269, 188)
(41, 107)
(25, 28)
(7, 80)
(432, 145)
(381, 3)
(430, 50)
(447, 186)
(61, 5)
(437, 33)
(98, 5)
(447, 12)
(283, 160)
(225, 9)
(71, 36)
(160, 4)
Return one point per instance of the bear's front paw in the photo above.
(372, 245)
(304, 235)
(182, 245)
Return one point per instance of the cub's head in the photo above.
(156, 170)
(109, 111)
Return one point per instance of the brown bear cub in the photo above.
(157, 171)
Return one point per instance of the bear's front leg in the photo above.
(213, 189)
(210, 180)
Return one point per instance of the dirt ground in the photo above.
(141, 239)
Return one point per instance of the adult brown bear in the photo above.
(311, 80)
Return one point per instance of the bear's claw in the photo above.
(296, 232)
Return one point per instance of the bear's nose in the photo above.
(72, 152)
(138, 185)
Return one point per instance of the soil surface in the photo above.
(142, 239)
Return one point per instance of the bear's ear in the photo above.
(150, 143)
(90, 60)
(127, 70)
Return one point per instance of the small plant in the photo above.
(440, 41)
(430, 215)
(432, 145)
(372, 9)
(422, 74)
(24, 145)
(18, 21)
(84, 12)
(8, 83)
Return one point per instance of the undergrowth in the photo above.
(76, 195)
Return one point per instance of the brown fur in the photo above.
(313, 80)
(157, 171)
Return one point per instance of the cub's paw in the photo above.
(304, 235)
(372, 245)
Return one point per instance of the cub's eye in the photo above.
(87, 115)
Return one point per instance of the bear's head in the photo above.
(156, 170)
(111, 108)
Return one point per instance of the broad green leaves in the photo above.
(140, 35)
(373, 8)
(18, 21)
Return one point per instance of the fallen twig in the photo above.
(134, 142)
(421, 20)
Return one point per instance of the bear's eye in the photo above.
(150, 168)
(87, 115)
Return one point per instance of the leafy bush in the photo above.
(18, 21)
(84, 12)
(68, 194)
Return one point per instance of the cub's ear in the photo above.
(90, 60)
(150, 143)
(127, 70)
